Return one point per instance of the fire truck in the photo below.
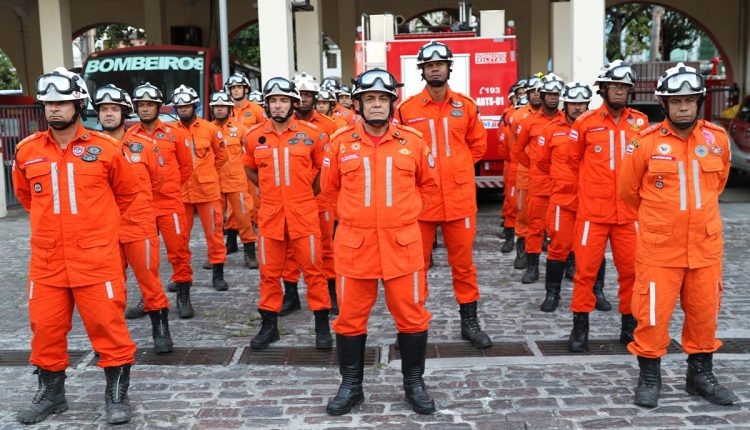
(484, 68)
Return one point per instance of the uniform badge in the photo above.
(631, 119)
(664, 130)
(309, 141)
(301, 135)
(701, 151)
(219, 135)
(293, 141)
(597, 149)
(37, 187)
(136, 147)
(457, 113)
(456, 104)
(402, 141)
(659, 184)
(262, 139)
(96, 150)
(136, 158)
(634, 143)
(322, 135)
(664, 149)
(233, 134)
(160, 159)
(355, 135)
(84, 136)
(89, 158)
(355, 146)
(709, 136)
(540, 141)
(397, 133)
(404, 151)
(156, 148)
(78, 150)
(267, 130)
(639, 121)
(248, 114)
(430, 161)
(629, 149)
(160, 135)
(716, 150)
(231, 128)
(342, 148)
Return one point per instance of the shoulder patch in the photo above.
(465, 97)
(711, 125)
(585, 115)
(112, 140)
(309, 124)
(341, 131)
(29, 139)
(649, 129)
(410, 129)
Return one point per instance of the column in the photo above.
(276, 49)
(55, 34)
(587, 44)
(155, 14)
(561, 37)
(309, 40)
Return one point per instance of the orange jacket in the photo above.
(287, 165)
(340, 122)
(75, 198)
(675, 185)
(528, 150)
(502, 140)
(347, 115)
(139, 221)
(206, 141)
(554, 158)
(514, 124)
(248, 114)
(458, 140)
(381, 191)
(232, 173)
(177, 159)
(328, 126)
(595, 159)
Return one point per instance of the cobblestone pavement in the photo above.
(537, 392)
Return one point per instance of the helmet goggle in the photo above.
(533, 83)
(280, 83)
(434, 51)
(677, 82)
(220, 99)
(376, 80)
(255, 96)
(552, 86)
(236, 79)
(622, 73)
(147, 92)
(329, 83)
(522, 101)
(61, 83)
(578, 93)
(327, 95)
(182, 99)
(114, 94)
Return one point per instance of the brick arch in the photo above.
(241, 27)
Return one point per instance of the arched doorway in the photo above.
(102, 36)
(9, 79)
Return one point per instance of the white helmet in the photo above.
(577, 92)
(327, 95)
(184, 95)
(305, 82)
(551, 83)
(110, 94)
(680, 80)
(148, 93)
(220, 98)
(376, 80)
(61, 85)
(434, 51)
(280, 87)
(255, 96)
(534, 82)
(617, 71)
(236, 79)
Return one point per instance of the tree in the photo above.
(8, 74)
(246, 45)
(628, 30)
(677, 32)
(118, 35)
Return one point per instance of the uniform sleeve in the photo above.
(154, 168)
(258, 111)
(726, 158)
(330, 179)
(575, 150)
(318, 151)
(21, 184)
(184, 155)
(476, 135)
(249, 159)
(522, 140)
(545, 155)
(218, 144)
(123, 181)
(562, 181)
(631, 175)
(426, 175)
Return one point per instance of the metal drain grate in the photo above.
(183, 357)
(301, 356)
(465, 349)
(735, 346)
(15, 357)
(596, 347)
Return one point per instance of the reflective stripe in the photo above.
(585, 233)
(276, 167)
(176, 223)
(213, 227)
(557, 217)
(327, 216)
(110, 293)
(416, 287)
(31, 290)
(434, 140)
(445, 132)
(622, 144)
(636, 226)
(368, 181)
(683, 189)
(242, 203)
(286, 166)
(520, 199)
(312, 248)
(72, 190)
(512, 191)
(148, 253)
(652, 304)
(263, 250)
(611, 150)
(343, 280)
(388, 181)
(468, 222)
(55, 188)
(697, 184)
(192, 153)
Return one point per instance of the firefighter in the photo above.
(343, 111)
(305, 111)
(283, 157)
(450, 121)
(325, 104)
(75, 184)
(672, 175)
(384, 175)
(528, 151)
(234, 191)
(503, 154)
(167, 200)
(139, 240)
(202, 192)
(597, 147)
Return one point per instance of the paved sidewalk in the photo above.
(534, 392)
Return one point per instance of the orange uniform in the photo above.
(528, 151)
(139, 240)
(522, 172)
(287, 165)
(248, 114)
(597, 149)
(458, 140)
(346, 114)
(340, 122)
(382, 188)
(75, 198)
(510, 168)
(177, 166)
(202, 191)
(234, 191)
(674, 184)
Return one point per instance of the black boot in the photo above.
(553, 277)
(172, 286)
(413, 347)
(290, 302)
(323, 339)
(470, 329)
(649, 382)
(207, 265)
(701, 381)
(269, 330)
(251, 261)
(184, 306)
(601, 302)
(350, 351)
(218, 278)
(116, 401)
(135, 312)
(49, 397)
(520, 261)
(570, 266)
(509, 234)
(231, 244)
(627, 328)
(579, 336)
(332, 293)
(532, 269)
(160, 330)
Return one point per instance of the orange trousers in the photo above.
(143, 257)
(307, 253)
(522, 213)
(459, 240)
(291, 268)
(239, 214)
(590, 243)
(509, 205)
(404, 296)
(101, 307)
(561, 224)
(211, 220)
(536, 220)
(173, 231)
(252, 203)
(654, 300)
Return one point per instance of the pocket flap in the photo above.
(207, 179)
(43, 242)
(306, 208)
(350, 165)
(712, 164)
(462, 177)
(350, 238)
(658, 228)
(37, 169)
(662, 166)
(405, 163)
(407, 235)
(92, 242)
(713, 226)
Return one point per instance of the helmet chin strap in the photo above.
(62, 125)
(376, 122)
(278, 118)
(680, 125)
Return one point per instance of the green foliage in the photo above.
(245, 46)
(118, 35)
(8, 74)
